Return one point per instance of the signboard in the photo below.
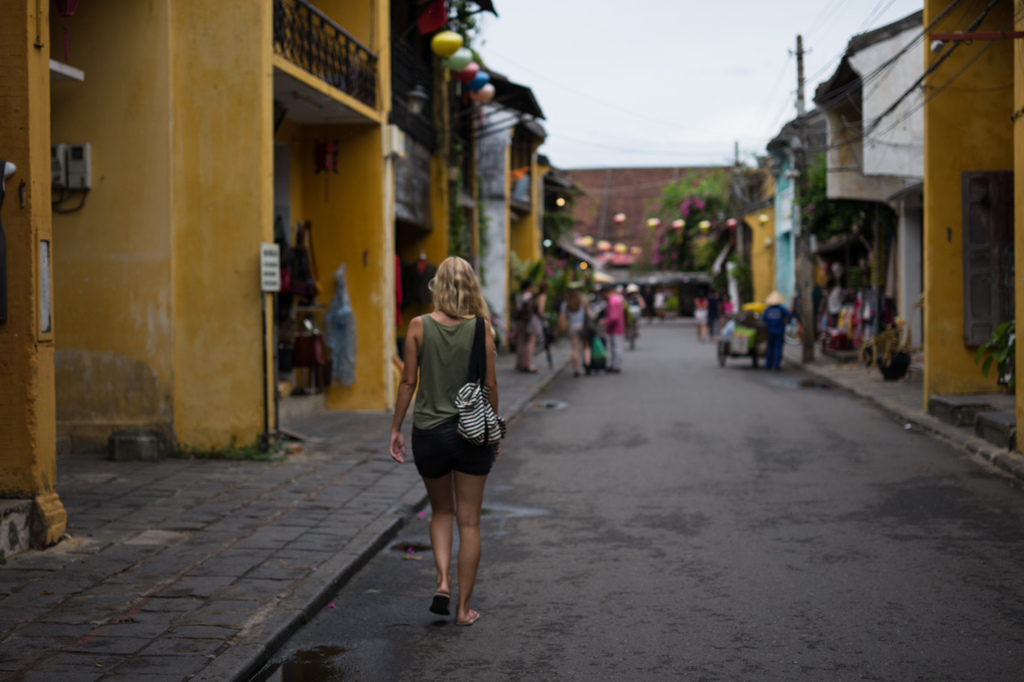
(45, 300)
(270, 268)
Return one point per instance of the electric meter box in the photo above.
(80, 166)
(59, 165)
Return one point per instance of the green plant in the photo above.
(252, 452)
(1001, 349)
(887, 343)
(830, 217)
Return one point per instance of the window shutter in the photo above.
(987, 228)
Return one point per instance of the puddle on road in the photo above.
(812, 384)
(547, 405)
(502, 513)
(320, 663)
(411, 547)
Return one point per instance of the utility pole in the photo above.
(800, 106)
(804, 257)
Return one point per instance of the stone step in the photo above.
(999, 428)
(15, 526)
(959, 410)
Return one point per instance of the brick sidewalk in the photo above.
(191, 567)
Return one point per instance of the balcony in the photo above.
(309, 39)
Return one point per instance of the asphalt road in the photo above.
(685, 521)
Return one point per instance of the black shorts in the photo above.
(440, 450)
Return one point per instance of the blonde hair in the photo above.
(456, 290)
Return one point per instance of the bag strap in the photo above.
(477, 361)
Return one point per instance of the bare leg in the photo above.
(531, 342)
(441, 492)
(469, 491)
(575, 352)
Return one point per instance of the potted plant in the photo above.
(890, 351)
(1001, 348)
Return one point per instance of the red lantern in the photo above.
(67, 7)
(731, 223)
(468, 73)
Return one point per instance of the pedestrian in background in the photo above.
(573, 318)
(700, 316)
(614, 327)
(648, 295)
(437, 354)
(775, 317)
(528, 327)
(659, 304)
(714, 314)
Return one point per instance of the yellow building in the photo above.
(761, 222)
(175, 148)
(971, 152)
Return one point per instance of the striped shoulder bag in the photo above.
(477, 422)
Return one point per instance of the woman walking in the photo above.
(437, 353)
(700, 315)
(573, 316)
(529, 326)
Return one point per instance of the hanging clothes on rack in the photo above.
(340, 321)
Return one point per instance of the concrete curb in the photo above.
(1010, 462)
(242, 660)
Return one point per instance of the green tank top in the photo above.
(444, 367)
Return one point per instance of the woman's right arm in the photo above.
(491, 378)
(413, 339)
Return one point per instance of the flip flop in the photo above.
(473, 617)
(441, 603)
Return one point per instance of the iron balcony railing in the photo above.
(308, 38)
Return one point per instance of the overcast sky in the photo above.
(669, 82)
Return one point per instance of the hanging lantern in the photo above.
(621, 248)
(468, 73)
(586, 241)
(619, 218)
(483, 95)
(636, 251)
(67, 7)
(763, 218)
(479, 81)
(653, 223)
(731, 223)
(460, 59)
(704, 225)
(445, 43)
(604, 245)
(678, 224)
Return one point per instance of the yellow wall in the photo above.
(762, 256)
(222, 210)
(350, 222)
(28, 467)
(526, 233)
(112, 259)
(1018, 210)
(357, 17)
(976, 105)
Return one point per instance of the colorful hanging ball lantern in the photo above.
(479, 81)
(636, 251)
(445, 43)
(483, 95)
(731, 223)
(604, 245)
(653, 223)
(586, 241)
(678, 224)
(704, 225)
(621, 248)
(460, 59)
(467, 74)
(619, 218)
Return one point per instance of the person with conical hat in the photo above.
(775, 317)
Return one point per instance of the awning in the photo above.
(720, 261)
(576, 252)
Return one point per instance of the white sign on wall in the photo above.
(270, 268)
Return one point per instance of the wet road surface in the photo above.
(685, 521)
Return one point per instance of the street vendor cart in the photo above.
(743, 335)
